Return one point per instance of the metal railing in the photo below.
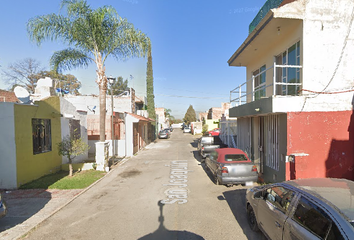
(269, 4)
(242, 92)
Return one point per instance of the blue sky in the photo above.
(192, 41)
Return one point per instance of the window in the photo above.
(41, 134)
(280, 197)
(314, 219)
(288, 75)
(235, 157)
(259, 82)
(214, 156)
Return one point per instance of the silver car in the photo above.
(317, 208)
(3, 208)
(231, 166)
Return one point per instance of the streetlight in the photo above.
(111, 81)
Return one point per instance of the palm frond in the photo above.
(68, 59)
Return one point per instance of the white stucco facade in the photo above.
(324, 31)
(8, 172)
(68, 112)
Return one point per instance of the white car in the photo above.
(187, 130)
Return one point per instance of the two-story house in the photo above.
(295, 110)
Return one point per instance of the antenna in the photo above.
(22, 94)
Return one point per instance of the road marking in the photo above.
(178, 193)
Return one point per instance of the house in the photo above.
(121, 116)
(295, 110)
(217, 113)
(28, 142)
(162, 121)
(6, 96)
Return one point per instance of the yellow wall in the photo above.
(212, 123)
(30, 166)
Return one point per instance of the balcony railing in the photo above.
(270, 4)
(280, 84)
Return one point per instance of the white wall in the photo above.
(327, 53)
(8, 171)
(87, 103)
(68, 110)
(129, 120)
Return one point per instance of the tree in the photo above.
(23, 73)
(119, 86)
(66, 82)
(92, 36)
(169, 116)
(150, 88)
(190, 115)
(72, 147)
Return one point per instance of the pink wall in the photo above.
(327, 138)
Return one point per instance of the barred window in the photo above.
(41, 134)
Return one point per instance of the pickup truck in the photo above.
(231, 166)
(207, 144)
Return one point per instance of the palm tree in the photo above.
(92, 36)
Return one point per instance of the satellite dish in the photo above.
(22, 94)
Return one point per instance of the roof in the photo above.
(230, 151)
(339, 192)
(6, 96)
(141, 118)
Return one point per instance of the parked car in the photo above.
(3, 207)
(214, 132)
(187, 129)
(207, 144)
(231, 166)
(168, 129)
(317, 208)
(164, 134)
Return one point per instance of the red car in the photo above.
(214, 132)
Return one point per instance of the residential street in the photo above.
(126, 204)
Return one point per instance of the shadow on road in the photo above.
(22, 205)
(194, 143)
(237, 201)
(162, 233)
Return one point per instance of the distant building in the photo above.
(6, 96)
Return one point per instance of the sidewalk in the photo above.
(28, 208)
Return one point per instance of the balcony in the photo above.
(269, 4)
(283, 80)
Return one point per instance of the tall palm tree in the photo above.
(91, 36)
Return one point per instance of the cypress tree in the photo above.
(150, 88)
(190, 115)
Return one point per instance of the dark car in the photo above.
(317, 208)
(3, 208)
(164, 134)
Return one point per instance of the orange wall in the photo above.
(327, 138)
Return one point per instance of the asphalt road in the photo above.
(161, 193)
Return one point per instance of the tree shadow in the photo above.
(163, 233)
(236, 199)
(22, 205)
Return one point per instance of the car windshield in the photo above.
(235, 157)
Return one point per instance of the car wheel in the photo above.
(252, 219)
